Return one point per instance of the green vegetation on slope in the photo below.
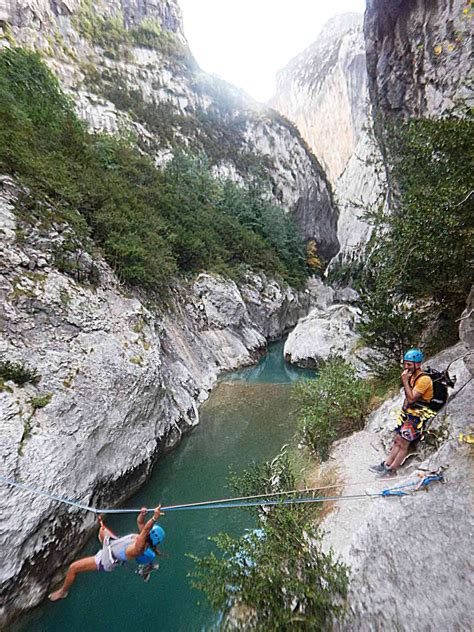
(278, 572)
(330, 406)
(421, 255)
(150, 224)
(109, 32)
(218, 131)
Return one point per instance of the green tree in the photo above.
(278, 572)
(331, 405)
(420, 255)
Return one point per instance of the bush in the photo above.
(149, 35)
(40, 401)
(330, 406)
(17, 373)
(421, 253)
(108, 32)
(277, 572)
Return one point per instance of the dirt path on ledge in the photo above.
(353, 457)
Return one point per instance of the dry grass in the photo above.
(323, 478)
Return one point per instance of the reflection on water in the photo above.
(247, 418)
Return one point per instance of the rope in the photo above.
(292, 491)
(230, 502)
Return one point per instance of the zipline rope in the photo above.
(291, 491)
(232, 502)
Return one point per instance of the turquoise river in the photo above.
(246, 419)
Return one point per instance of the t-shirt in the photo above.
(423, 385)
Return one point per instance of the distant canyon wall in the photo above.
(324, 91)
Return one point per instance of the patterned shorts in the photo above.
(411, 425)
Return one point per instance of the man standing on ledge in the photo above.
(414, 415)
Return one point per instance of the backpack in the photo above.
(441, 380)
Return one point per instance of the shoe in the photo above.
(378, 468)
(387, 473)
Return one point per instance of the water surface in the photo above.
(247, 418)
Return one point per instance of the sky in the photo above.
(245, 42)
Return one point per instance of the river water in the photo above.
(246, 419)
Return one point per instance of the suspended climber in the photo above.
(139, 547)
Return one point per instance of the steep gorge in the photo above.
(406, 573)
(130, 68)
(324, 91)
(124, 377)
(119, 377)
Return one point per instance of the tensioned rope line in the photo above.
(306, 490)
(183, 506)
(231, 502)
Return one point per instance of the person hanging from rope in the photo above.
(414, 415)
(141, 548)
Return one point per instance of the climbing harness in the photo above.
(145, 563)
(229, 503)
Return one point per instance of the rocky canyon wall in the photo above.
(324, 91)
(119, 378)
(119, 381)
(127, 65)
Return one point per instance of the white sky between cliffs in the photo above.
(245, 42)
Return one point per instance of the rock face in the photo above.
(127, 64)
(119, 383)
(466, 330)
(322, 334)
(406, 573)
(324, 92)
(361, 189)
(409, 556)
(419, 56)
(328, 330)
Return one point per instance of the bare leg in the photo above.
(392, 455)
(397, 453)
(402, 452)
(81, 566)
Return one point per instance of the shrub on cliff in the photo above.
(18, 373)
(331, 405)
(277, 575)
(420, 255)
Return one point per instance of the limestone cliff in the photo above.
(324, 92)
(410, 558)
(119, 382)
(419, 56)
(127, 65)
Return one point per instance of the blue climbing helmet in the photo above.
(414, 355)
(157, 535)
